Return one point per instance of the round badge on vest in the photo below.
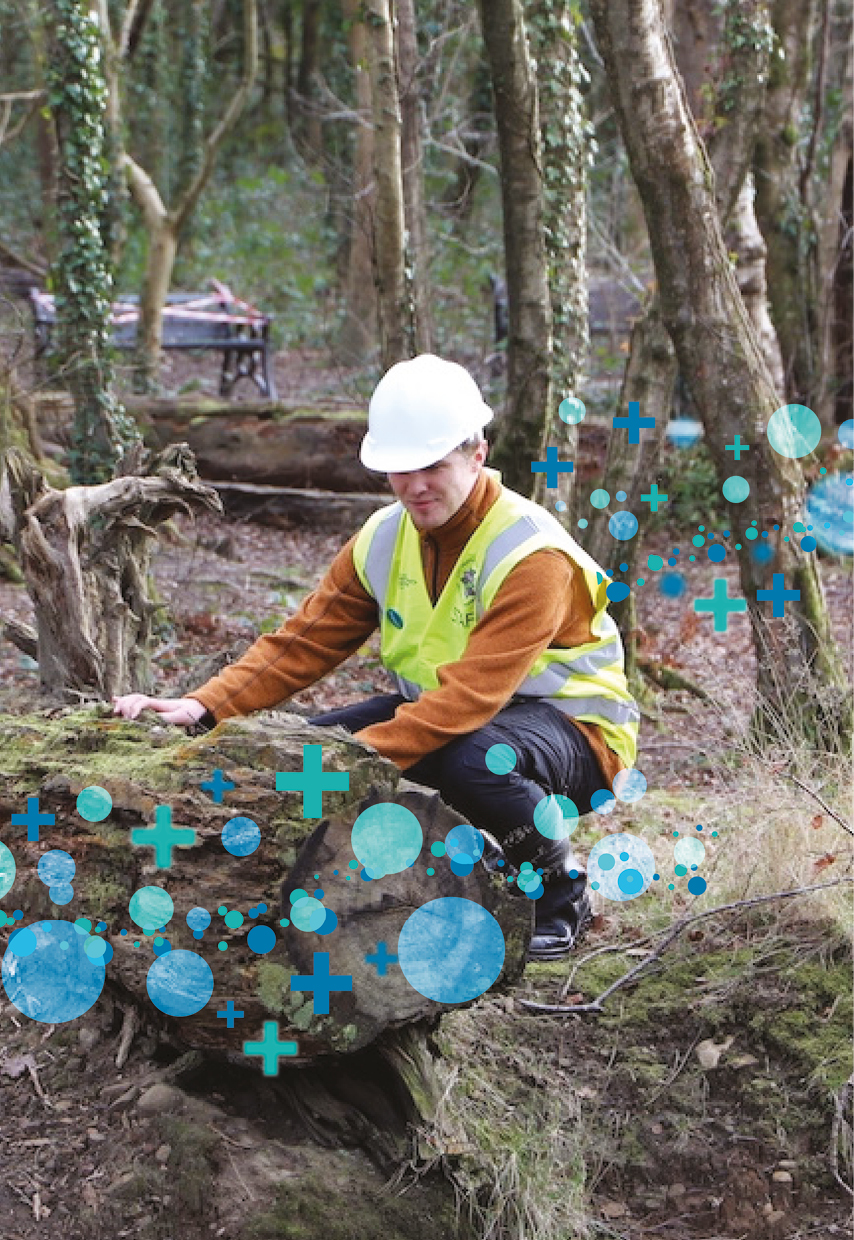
(394, 617)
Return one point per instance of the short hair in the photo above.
(469, 446)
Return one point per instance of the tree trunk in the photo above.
(412, 156)
(715, 343)
(396, 312)
(82, 274)
(85, 555)
(780, 209)
(529, 343)
(159, 265)
(565, 134)
(358, 333)
(306, 127)
(747, 242)
(53, 757)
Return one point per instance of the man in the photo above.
(493, 625)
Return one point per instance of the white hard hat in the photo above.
(420, 411)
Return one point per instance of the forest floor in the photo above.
(702, 1105)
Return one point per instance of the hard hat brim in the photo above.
(400, 460)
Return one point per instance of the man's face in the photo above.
(431, 496)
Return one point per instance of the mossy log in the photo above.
(54, 755)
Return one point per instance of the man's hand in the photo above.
(185, 711)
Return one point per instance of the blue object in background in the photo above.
(684, 432)
(831, 501)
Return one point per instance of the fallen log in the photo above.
(47, 760)
(339, 511)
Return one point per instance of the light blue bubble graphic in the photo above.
(7, 870)
(179, 983)
(198, 919)
(572, 411)
(150, 908)
(261, 939)
(629, 786)
(94, 803)
(308, 914)
(845, 433)
(56, 867)
(61, 893)
(603, 801)
(464, 839)
(623, 525)
(386, 838)
(736, 489)
(556, 817)
(451, 950)
(683, 432)
(794, 431)
(241, 836)
(600, 498)
(689, 851)
(51, 980)
(829, 509)
(500, 759)
(621, 866)
(95, 947)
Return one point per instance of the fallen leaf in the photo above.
(614, 1209)
(825, 861)
(818, 821)
(17, 1066)
(709, 1052)
(90, 1196)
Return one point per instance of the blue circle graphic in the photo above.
(500, 759)
(451, 950)
(261, 939)
(629, 785)
(48, 975)
(556, 817)
(736, 489)
(624, 879)
(56, 867)
(845, 433)
(623, 525)
(150, 908)
(671, 585)
(386, 838)
(329, 925)
(61, 893)
(94, 803)
(198, 918)
(240, 836)
(794, 431)
(464, 839)
(7, 870)
(603, 801)
(179, 983)
(572, 410)
(617, 591)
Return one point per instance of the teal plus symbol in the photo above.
(270, 1049)
(551, 467)
(634, 422)
(230, 1015)
(162, 837)
(33, 819)
(312, 781)
(737, 447)
(381, 958)
(778, 596)
(654, 498)
(321, 982)
(217, 785)
(720, 605)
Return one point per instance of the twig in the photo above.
(673, 1075)
(596, 1005)
(824, 805)
(237, 1172)
(37, 1085)
(130, 1025)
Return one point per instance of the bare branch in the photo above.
(595, 1006)
(189, 198)
(145, 193)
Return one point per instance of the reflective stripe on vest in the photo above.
(586, 682)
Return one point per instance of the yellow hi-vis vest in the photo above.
(417, 638)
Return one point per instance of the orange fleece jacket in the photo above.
(542, 602)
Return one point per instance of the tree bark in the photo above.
(85, 554)
(358, 333)
(529, 343)
(412, 157)
(396, 312)
(714, 340)
(54, 756)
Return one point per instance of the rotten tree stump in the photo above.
(54, 755)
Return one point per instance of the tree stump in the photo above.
(53, 756)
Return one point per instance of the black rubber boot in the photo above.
(563, 910)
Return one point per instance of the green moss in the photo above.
(274, 986)
(315, 1210)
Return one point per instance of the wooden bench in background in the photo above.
(217, 320)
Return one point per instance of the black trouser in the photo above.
(553, 756)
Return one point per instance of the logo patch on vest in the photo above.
(394, 617)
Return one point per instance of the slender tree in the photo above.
(529, 343)
(715, 342)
